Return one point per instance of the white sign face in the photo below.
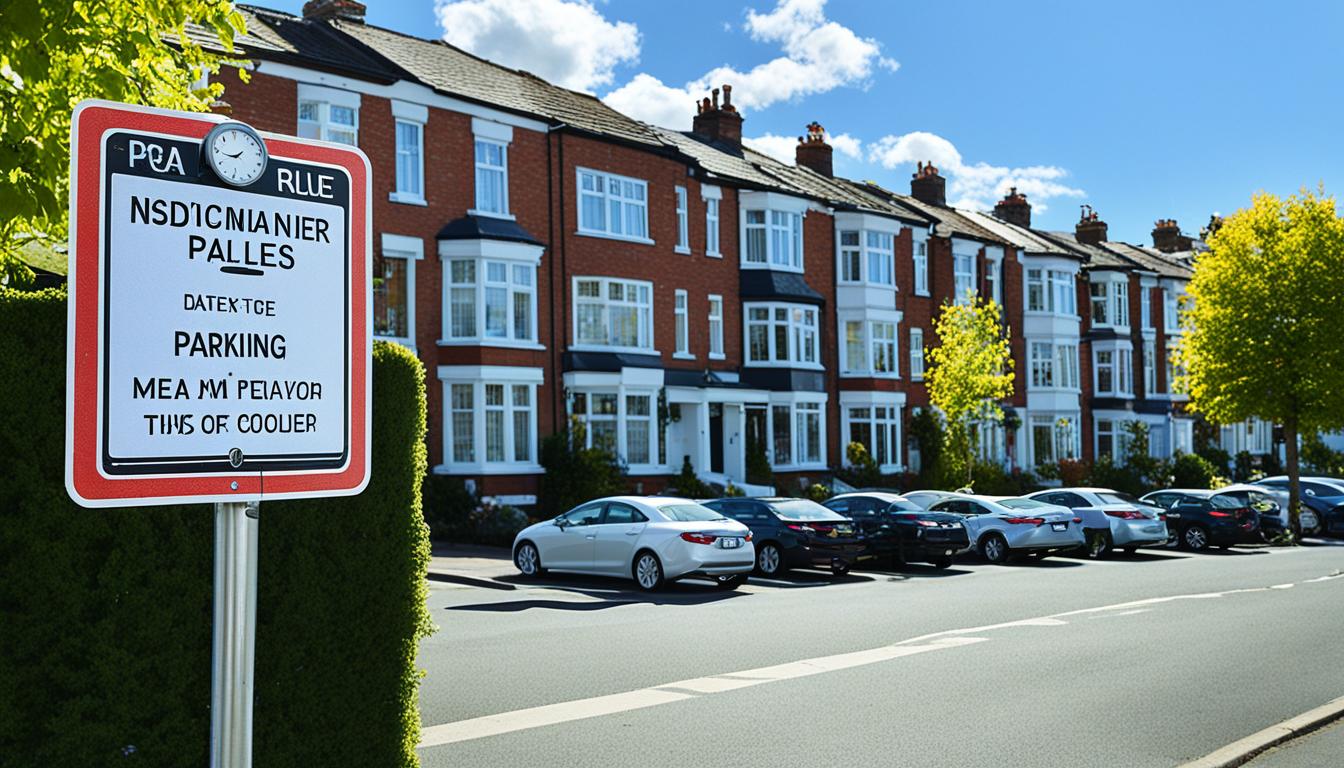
(240, 345)
(219, 324)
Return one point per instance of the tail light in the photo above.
(1025, 520)
(802, 528)
(926, 523)
(1077, 520)
(1126, 514)
(699, 538)
(748, 536)
(1219, 513)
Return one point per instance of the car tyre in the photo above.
(1098, 545)
(1129, 551)
(839, 568)
(648, 571)
(769, 560)
(528, 560)
(729, 583)
(994, 548)
(1195, 538)
(942, 563)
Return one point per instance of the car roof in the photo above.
(883, 495)
(1200, 492)
(1241, 487)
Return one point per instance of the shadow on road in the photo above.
(603, 593)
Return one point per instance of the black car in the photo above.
(1322, 495)
(902, 530)
(1199, 518)
(794, 533)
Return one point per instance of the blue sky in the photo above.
(1144, 110)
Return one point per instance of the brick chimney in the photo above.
(813, 151)
(324, 10)
(1090, 229)
(927, 186)
(718, 123)
(1167, 237)
(1014, 209)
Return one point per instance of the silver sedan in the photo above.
(1000, 528)
(1110, 519)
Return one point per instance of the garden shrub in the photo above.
(993, 480)
(1190, 470)
(105, 645)
(759, 471)
(687, 484)
(574, 472)
(448, 507)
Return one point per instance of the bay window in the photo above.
(773, 238)
(870, 348)
(798, 433)
(1053, 438)
(618, 421)
(1105, 368)
(1036, 291)
(881, 255)
(1066, 361)
(491, 419)
(610, 312)
(1042, 365)
(1107, 444)
(1170, 311)
(1110, 302)
(683, 222)
(992, 277)
(1114, 371)
(781, 334)
(851, 258)
(613, 206)
(1145, 308)
(878, 429)
(1051, 290)
(491, 300)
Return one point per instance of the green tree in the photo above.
(1261, 330)
(970, 369)
(56, 53)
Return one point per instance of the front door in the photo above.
(716, 437)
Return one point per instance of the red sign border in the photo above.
(84, 480)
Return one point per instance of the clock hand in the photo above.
(234, 156)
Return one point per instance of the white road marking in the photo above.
(597, 706)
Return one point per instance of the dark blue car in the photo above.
(1322, 495)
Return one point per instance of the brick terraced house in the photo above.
(685, 297)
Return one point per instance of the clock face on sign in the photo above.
(236, 153)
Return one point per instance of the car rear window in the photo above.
(802, 509)
(1117, 498)
(689, 513)
(1021, 504)
(904, 505)
(1226, 501)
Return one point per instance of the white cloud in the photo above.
(782, 147)
(568, 42)
(819, 55)
(977, 185)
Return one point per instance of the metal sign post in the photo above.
(235, 635)
(218, 342)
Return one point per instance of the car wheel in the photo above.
(1129, 551)
(769, 560)
(728, 583)
(648, 571)
(994, 548)
(1098, 544)
(942, 563)
(839, 567)
(528, 560)
(1195, 538)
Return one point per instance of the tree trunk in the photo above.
(1294, 474)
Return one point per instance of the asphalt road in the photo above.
(1144, 661)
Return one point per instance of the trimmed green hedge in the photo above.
(105, 614)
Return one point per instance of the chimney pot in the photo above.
(1090, 229)
(1013, 208)
(319, 10)
(927, 186)
(717, 122)
(813, 151)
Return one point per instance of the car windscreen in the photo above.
(689, 513)
(1226, 501)
(802, 509)
(1022, 504)
(905, 505)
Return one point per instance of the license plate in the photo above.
(730, 543)
(1059, 526)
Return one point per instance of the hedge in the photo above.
(105, 614)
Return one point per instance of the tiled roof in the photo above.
(287, 38)
(455, 72)
(719, 160)
(950, 221)
(471, 227)
(841, 193)
(1095, 257)
(1150, 259)
(1022, 238)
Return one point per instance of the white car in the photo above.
(649, 539)
(1110, 519)
(1000, 527)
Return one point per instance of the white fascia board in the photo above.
(342, 97)
(492, 373)
(868, 221)
(402, 90)
(963, 247)
(1045, 261)
(414, 113)
(710, 192)
(775, 201)
(490, 249)
(850, 397)
(786, 398)
(645, 378)
(404, 244)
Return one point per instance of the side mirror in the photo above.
(559, 522)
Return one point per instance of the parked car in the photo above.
(1001, 527)
(902, 530)
(1323, 497)
(1110, 519)
(795, 533)
(1265, 502)
(1203, 517)
(650, 539)
(927, 499)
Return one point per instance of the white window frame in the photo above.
(790, 232)
(799, 405)
(644, 313)
(1057, 288)
(713, 199)
(851, 257)
(796, 334)
(1042, 360)
(963, 276)
(994, 276)
(414, 115)
(412, 250)
(1067, 435)
(477, 377)
(481, 283)
(1066, 366)
(868, 342)
(881, 254)
(715, 327)
(607, 198)
(683, 221)
(682, 333)
(324, 99)
(889, 422)
(1121, 367)
(622, 419)
(1171, 313)
(1149, 368)
(1114, 298)
(916, 354)
(921, 259)
(1145, 307)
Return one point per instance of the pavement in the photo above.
(1153, 660)
(1315, 750)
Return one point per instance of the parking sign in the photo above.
(219, 329)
